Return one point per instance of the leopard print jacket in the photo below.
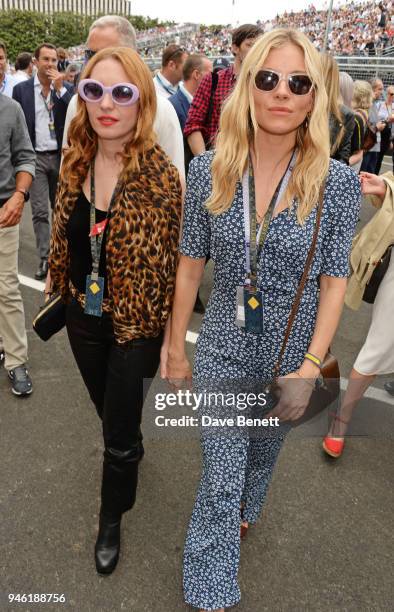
(141, 247)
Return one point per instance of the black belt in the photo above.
(56, 152)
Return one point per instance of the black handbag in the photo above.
(51, 317)
(371, 289)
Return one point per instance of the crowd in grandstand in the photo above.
(357, 28)
(362, 28)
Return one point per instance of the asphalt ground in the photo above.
(324, 541)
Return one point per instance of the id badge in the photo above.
(253, 302)
(94, 295)
(52, 132)
(240, 307)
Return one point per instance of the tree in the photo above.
(69, 29)
(25, 30)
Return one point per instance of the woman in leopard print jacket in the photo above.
(113, 258)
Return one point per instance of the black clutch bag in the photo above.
(51, 317)
(371, 289)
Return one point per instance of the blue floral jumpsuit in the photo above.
(237, 468)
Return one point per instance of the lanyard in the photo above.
(253, 243)
(3, 85)
(49, 106)
(96, 241)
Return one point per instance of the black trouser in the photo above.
(379, 161)
(114, 376)
(369, 162)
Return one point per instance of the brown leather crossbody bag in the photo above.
(327, 387)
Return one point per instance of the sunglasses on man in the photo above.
(177, 51)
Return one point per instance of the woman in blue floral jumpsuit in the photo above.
(237, 468)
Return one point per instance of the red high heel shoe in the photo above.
(334, 445)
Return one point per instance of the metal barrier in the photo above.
(359, 67)
(367, 68)
(388, 51)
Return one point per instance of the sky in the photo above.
(218, 11)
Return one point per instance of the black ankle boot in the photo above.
(107, 547)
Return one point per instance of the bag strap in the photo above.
(361, 112)
(300, 290)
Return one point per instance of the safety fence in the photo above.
(359, 68)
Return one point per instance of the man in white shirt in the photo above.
(7, 81)
(115, 31)
(24, 67)
(168, 78)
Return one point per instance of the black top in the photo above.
(343, 151)
(77, 232)
(358, 133)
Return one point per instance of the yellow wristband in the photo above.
(313, 359)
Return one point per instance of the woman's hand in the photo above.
(294, 394)
(178, 370)
(371, 184)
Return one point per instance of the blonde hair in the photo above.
(331, 79)
(238, 130)
(362, 95)
(346, 88)
(82, 139)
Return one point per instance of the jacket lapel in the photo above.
(31, 105)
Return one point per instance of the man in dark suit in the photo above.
(195, 67)
(44, 100)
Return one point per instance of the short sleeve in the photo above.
(196, 223)
(343, 199)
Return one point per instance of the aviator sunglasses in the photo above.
(123, 94)
(268, 80)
